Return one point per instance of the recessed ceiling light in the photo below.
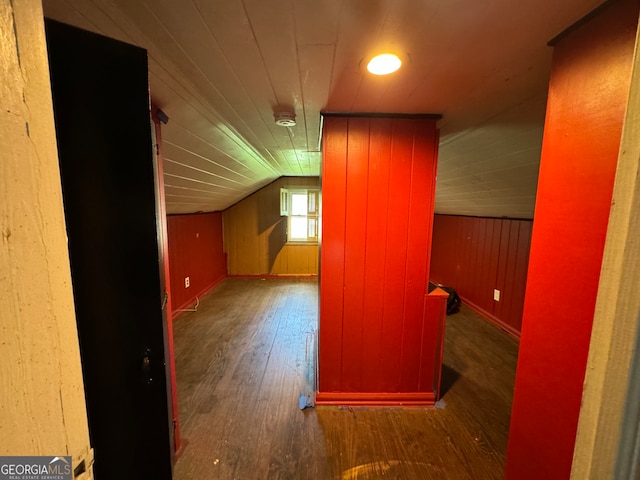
(384, 64)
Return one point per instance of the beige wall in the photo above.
(255, 235)
(42, 407)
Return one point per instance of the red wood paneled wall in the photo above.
(476, 255)
(588, 92)
(377, 344)
(195, 251)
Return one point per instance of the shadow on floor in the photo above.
(448, 379)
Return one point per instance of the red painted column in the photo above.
(379, 333)
(587, 98)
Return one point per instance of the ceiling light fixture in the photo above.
(285, 119)
(384, 64)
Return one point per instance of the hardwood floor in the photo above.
(248, 353)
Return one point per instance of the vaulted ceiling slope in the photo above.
(221, 68)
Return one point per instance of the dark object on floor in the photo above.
(453, 302)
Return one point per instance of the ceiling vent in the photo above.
(285, 119)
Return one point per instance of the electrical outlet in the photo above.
(186, 282)
(496, 295)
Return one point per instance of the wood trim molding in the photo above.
(375, 399)
(177, 311)
(284, 276)
(492, 318)
(577, 24)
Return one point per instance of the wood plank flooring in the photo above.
(248, 353)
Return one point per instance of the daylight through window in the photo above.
(300, 205)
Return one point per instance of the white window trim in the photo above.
(285, 210)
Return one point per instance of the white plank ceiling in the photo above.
(220, 69)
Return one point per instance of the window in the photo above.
(301, 207)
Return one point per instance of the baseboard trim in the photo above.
(189, 303)
(279, 275)
(375, 399)
(491, 318)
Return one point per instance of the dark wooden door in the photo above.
(101, 108)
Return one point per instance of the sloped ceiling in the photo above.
(220, 69)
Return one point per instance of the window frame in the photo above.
(313, 212)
